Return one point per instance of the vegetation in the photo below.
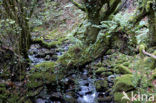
(52, 50)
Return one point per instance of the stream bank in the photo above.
(79, 86)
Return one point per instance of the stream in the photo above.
(80, 85)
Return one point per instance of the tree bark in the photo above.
(152, 27)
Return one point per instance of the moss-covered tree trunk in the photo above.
(91, 32)
(20, 11)
(96, 11)
(25, 39)
(146, 8)
(152, 27)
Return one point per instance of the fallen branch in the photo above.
(151, 55)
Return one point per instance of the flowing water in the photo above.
(87, 91)
(84, 88)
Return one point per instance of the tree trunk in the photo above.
(77, 56)
(24, 42)
(96, 14)
(92, 32)
(152, 27)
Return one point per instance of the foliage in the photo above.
(9, 31)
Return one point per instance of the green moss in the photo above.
(52, 44)
(32, 93)
(123, 70)
(43, 73)
(118, 97)
(126, 64)
(13, 98)
(100, 70)
(28, 101)
(148, 6)
(125, 81)
(101, 84)
(45, 65)
(141, 48)
(106, 74)
(81, 54)
(34, 84)
(148, 63)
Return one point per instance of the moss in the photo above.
(79, 55)
(141, 48)
(40, 74)
(148, 6)
(126, 64)
(106, 74)
(100, 70)
(34, 84)
(28, 101)
(32, 93)
(13, 98)
(45, 65)
(43, 73)
(125, 81)
(101, 84)
(52, 44)
(118, 98)
(123, 70)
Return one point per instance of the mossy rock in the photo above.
(100, 70)
(45, 65)
(123, 69)
(43, 73)
(101, 85)
(123, 83)
(106, 74)
(52, 44)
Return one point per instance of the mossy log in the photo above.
(80, 55)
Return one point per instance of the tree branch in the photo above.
(120, 6)
(148, 54)
(110, 10)
(78, 5)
